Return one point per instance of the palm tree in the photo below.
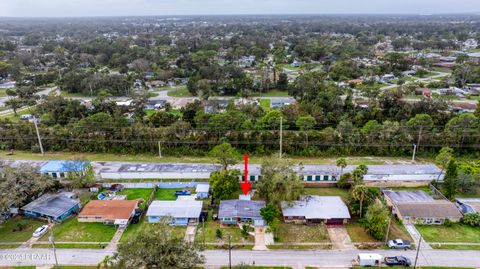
(342, 163)
(359, 193)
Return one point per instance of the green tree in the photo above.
(282, 83)
(19, 185)
(269, 213)
(450, 181)
(358, 173)
(305, 123)
(376, 220)
(155, 246)
(420, 123)
(342, 163)
(225, 154)
(279, 183)
(224, 184)
(443, 158)
(82, 178)
(359, 193)
(14, 104)
(472, 219)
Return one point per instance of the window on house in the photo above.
(318, 178)
(325, 178)
(62, 175)
(252, 178)
(54, 175)
(309, 178)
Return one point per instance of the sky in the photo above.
(85, 8)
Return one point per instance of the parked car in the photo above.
(136, 216)
(398, 244)
(183, 193)
(26, 117)
(398, 261)
(40, 231)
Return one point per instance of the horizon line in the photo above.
(244, 14)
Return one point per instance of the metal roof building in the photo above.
(178, 212)
(234, 211)
(55, 206)
(314, 208)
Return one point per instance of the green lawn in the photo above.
(259, 267)
(166, 194)
(456, 233)
(265, 104)
(358, 233)
(456, 247)
(275, 93)
(328, 192)
(8, 235)
(5, 246)
(295, 233)
(3, 92)
(75, 95)
(63, 155)
(208, 232)
(16, 118)
(74, 231)
(96, 246)
(137, 194)
(179, 93)
(133, 229)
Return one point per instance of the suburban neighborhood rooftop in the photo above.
(53, 205)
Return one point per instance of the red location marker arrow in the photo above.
(245, 185)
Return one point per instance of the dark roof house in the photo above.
(234, 211)
(54, 206)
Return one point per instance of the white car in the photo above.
(40, 231)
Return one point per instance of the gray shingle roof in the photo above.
(436, 209)
(52, 205)
(408, 196)
(240, 209)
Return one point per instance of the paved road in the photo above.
(10, 111)
(327, 258)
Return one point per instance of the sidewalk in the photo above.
(116, 238)
(415, 234)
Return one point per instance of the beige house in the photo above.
(116, 212)
(418, 207)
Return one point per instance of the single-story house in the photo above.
(116, 212)
(311, 209)
(179, 212)
(202, 191)
(419, 208)
(56, 207)
(469, 205)
(232, 212)
(61, 169)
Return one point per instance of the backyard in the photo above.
(73, 231)
(166, 194)
(137, 194)
(456, 233)
(343, 193)
(9, 233)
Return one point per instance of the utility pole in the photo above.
(38, 135)
(229, 251)
(414, 151)
(281, 135)
(52, 240)
(388, 230)
(159, 149)
(418, 250)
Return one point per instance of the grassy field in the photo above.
(358, 233)
(456, 233)
(8, 235)
(137, 194)
(274, 93)
(456, 247)
(5, 246)
(328, 192)
(74, 95)
(166, 194)
(74, 231)
(208, 232)
(179, 93)
(95, 246)
(294, 233)
(24, 155)
(3, 92)
(16, 118)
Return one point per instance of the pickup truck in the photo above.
(398, 261)
(398, 244)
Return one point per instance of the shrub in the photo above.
(219, 234)
(448, 223)
(472, 219)
(21, 225)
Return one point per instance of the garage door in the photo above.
(335, 222)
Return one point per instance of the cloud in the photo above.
(65, 8)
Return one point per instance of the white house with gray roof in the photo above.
(179, 212)
(311, 209)
(232, 212)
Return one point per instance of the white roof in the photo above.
(317, 207)
(175, 209)
(370, 256)
(202, 188)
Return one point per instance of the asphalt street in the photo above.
(296, 259)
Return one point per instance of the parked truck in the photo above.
(398, 261)
(398, 244)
